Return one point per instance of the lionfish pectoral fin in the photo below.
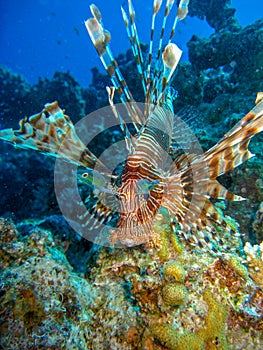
(95, 211)
(198, 219)
(52, 133)
(232, 150)
(192, 183)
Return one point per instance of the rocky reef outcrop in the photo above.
(218, 14)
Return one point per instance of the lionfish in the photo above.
(185, 187)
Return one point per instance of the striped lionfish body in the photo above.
(185, 186)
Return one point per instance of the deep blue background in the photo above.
(38, 37)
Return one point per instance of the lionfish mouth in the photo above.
(161, 169)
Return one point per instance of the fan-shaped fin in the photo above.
(53, 133)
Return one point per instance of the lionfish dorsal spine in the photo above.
(101, 41)
(182, 12)
(124, 128)
(134, 41)
(155, 72)
(168, 7)
(159, 74)
(156, 7)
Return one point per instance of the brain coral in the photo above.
(174, 294)
(175, 270)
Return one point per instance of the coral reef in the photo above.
(175, 270)
(33, 185)
(66, 89)
(44, 304)
(14, 98)
(211, 336)
(228, 46)
(127, 298)
(257, 223)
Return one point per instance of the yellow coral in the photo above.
(174, 294)
(176, 244)
(211, 336)
(214, 331)
(190, 341)
(165, 334)
(162, 231)
(175, 270)
(168, 336)
(163, 236)
(236, 265)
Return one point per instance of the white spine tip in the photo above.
(171, 55)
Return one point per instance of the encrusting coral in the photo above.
(43, 302)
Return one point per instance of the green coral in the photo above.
(176, 244)
(165, 237)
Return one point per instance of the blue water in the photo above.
(39, 37)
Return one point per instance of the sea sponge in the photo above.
(174, 294)
(176, 270)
